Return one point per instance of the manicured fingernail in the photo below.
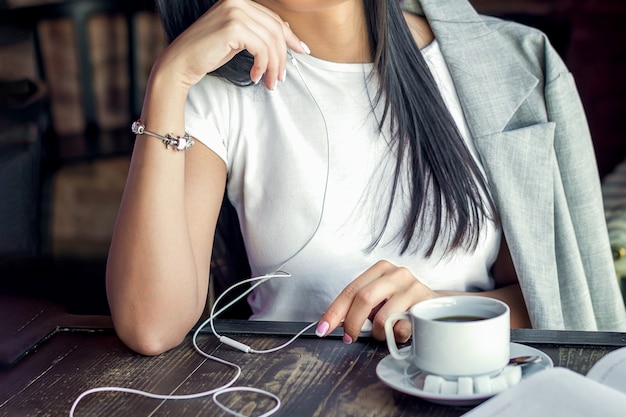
(322, 328)
(305, 47)
(284, 77)
(347, 339)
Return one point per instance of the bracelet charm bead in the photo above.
(178, 143)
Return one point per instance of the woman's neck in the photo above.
(334, 32)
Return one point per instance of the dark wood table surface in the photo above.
(313, 377)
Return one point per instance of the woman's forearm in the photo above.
(512, 296)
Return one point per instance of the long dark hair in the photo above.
(439, 163)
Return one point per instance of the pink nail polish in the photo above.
(259, 78)
(322, 328)
(347, 339)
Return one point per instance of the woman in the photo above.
(380, 157)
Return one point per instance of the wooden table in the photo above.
(313, 377)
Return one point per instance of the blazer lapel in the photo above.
(491, 81)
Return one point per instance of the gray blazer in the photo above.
(524, 112)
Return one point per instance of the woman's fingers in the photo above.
(226, 29)
(339, 308)
(380, 291)
(290, 38)
(268, 38)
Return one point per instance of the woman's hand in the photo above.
(226, 29)
(378, 292)
(385, 288)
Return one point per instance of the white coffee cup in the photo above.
(455, 336)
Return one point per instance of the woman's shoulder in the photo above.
(531, 43)
(420, 29)
(215, 85)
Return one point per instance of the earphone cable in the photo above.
(294, 62)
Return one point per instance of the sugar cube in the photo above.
(432, 383)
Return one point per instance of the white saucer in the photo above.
(392, 373)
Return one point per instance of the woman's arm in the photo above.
(508, 288)
(385, 289)
(158, 266)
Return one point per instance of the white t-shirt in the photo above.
(309, 175)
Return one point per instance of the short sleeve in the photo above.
(205, 118)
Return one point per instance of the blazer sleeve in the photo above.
(588, 285)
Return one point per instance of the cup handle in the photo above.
(389, 336)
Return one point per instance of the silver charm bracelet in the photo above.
(178, 143)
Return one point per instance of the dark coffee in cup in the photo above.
(460, 319)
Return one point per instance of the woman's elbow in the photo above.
(148, 340)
